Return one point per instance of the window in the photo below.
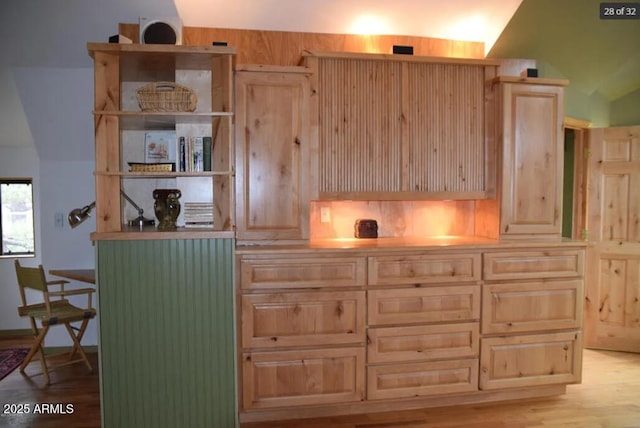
(16, 216)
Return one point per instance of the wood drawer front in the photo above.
(533, 264)
(424, 269)
(295, 378)
(532, 306)
(420, 379)
(422, 343)
(303, 319)
(296, 272)
(532, 360)
(424, 304)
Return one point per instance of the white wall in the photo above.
(19, 162)
(47, 126)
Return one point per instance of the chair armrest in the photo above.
(72, 292)
(87, 291)
(57, 282)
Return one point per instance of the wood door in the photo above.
(532, 159)
(272, 154)
(612, 301)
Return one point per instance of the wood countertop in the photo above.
(408, 244)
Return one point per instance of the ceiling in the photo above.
(570, 39)
(566, 37)
(470, 20)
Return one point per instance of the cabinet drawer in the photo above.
(296, 272)
(422, 343)
(532, 306)
(420, 379)
(521, 361)
(301, 319)
(509, 265)
(424, 304)
(424, 269)
(294, 378)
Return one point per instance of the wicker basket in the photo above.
(152, 167)
(166, 96)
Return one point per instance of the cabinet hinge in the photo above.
(587, 153)
(584, 234)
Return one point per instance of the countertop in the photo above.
(409, 244)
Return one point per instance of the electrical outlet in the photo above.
(325, 215)
(59, 221)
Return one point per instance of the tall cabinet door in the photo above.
(532, 156)
(272, 153)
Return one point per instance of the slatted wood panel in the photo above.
(360, 132)
(167, 333)
(392, 129)
(444, 108)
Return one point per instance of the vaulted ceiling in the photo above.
(566, 36)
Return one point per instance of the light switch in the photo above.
(59, 221)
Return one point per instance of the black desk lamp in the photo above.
(78, 215)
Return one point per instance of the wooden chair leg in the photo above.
(76, 345)
(79, 335)
(37, 346)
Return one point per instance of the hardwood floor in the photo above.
(609, 397)
(71, 385)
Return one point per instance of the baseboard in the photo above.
(26, 332)
(6, 334)
(52, 350)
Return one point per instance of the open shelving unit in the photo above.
(120, 125)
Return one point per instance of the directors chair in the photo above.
(57, 311)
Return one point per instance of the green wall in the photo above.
(166, 338)
(568, 40)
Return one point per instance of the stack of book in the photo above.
(198, 214)
(194, 154)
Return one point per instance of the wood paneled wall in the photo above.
(286, 47)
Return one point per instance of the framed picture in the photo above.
(160, 147)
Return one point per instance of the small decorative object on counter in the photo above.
(366, 228)
(167, 207)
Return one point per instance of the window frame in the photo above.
(18, 180)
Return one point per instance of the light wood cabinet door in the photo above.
(303, 319)
(296, 378)
(272, 154)
(422, 343)
(532, 159)
(293, 271)
(402, 119)
(545, 263)
(422, 379)
(424, 269)
(423, 305)
(360, 128)
(532, 360)
(532, 306)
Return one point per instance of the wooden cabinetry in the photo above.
(422, 340)
(406, 327)
(401, 117)
(531, 113)
(120, 126)
(302, 330)
(272, 152)
(528, 292)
